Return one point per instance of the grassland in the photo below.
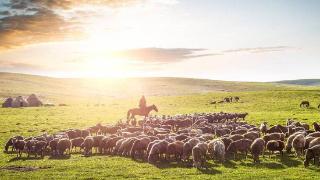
(272, 105)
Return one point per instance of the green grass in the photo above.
(272, 106)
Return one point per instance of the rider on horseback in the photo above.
(142, 103)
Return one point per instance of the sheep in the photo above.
(40, 147)
(314, 142)
(85, 133)
(217, 149)
(181, 137)
(126, 146)
(76, 143)
(29, 146)
(63, 145)
(139, 146)
(315, 134)
(10, 143)
(289, 141)
(176, 149)
(226, 142)
(236, 137)
(308, 140)
(251, 135)
(19, 146)
(222, 132)
(239, 131)
(111, 143)
(156, 150)
(298, 144)
(257, 148)
(274, 136)
(312, 153)
(87, 145)
(117, 146)
(242, 145)
(275, 145)
(187, 148)
(263, 128)
(53, 144)
(198, 155)
(97, 140)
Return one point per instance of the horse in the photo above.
(305, 104)
(141, 112)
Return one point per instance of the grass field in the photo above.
(272, 105)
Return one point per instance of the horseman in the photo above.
(142, 103)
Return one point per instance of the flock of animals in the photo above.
(227, 100)
(190, 138)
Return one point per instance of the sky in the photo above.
(247, 40)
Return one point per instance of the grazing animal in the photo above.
(76, 143)
(314, 142)
(87, 145)
(176, 149)
(217, 149)
(275, 145)
(242, 145)
(199, 155)
(305, 104)
(312, 153)
(63, 145)
(298, 144)
(316, 126)
(53, 144)
(263, 128)
(19, 147)
(257, 148)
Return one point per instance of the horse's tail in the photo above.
(128, 114)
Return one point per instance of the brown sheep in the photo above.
(187, 148)
(289, 141)
(312, 153)
(315, 134)
(151, 144)
(117, 146)
(85, 133)
(236, 137)
(126, 146)
(19, 147)
(139, 146)
(97, 140)
(226, 142)
(257, 148)
(239, 131)
(314, 142)
(222, 132)
(274, 136)
(53, 144)
(199, 155)
(308, 140)
(76, 143)
(275, 145)
(157, 150)
(176, 149)
(63, 145)
(29, 146)
(40, 147)
(242, 145)
(87, 145)
(298, 144)
(10, 142)
(251, 135)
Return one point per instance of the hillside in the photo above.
(304, 82)
(96, 90)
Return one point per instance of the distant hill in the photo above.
(95, 90)
(304, 82)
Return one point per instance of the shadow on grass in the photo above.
(60, 157)
(25, 158)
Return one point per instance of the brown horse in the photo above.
(141, 112)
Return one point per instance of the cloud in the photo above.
(34, 21)
(259, 49)
(161, 55)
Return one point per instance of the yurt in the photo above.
(7, 103)
(19, 102)
(34, 101)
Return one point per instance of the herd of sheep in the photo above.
(191, 138)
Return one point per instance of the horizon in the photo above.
(251, 41)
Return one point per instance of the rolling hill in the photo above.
(95, 90)
(304, 82)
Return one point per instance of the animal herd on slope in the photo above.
(190, 138)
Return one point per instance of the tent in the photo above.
(7, 103)
(34, 101)
(19, 102)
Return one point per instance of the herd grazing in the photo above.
(193, 139)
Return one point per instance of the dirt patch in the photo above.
(24, 168)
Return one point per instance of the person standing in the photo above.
(142, 103)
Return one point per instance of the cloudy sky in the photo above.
(245, 40)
